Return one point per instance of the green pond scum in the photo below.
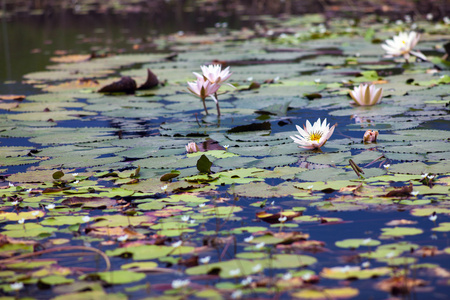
(156, 193)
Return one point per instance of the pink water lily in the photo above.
(313, 136)
(402, 45)
(366, 94)
(191, 147)
(370, 136)
(216, 77)
(203, 89)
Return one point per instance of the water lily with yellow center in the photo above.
(313, 136)
(366, 94)
(402, 45)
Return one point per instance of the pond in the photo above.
(101, 197)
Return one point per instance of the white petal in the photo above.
(198, 75)
(301, 131)
(419, 55)
(309, 127)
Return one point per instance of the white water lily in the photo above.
(16, 286)
(246, 281)
(205, 259)
(257, 268)
(215, 74)
(402, 45)
(260, 245)
(249, 239)
(177, 244)
(287, 276)
(50, 206)
(237, 294)
(178, 283)
(433, 217)
(282, 219)
(345, 269)
(313, 136)
(366, 94)
(86, 219)
(122, 238)
(366, 241)
(307, 276)
(390, 255)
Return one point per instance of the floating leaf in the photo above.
(356, 243)
(119, 276)
(401, 231)
(335, 293)
(353, 273)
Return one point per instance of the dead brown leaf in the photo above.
(12, 97)
(399, 285)
(404, 191)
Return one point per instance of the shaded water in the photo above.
(28, 42)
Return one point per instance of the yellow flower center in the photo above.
(315, 136)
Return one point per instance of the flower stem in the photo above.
(204, 106)
(218, 108)
(217, 104)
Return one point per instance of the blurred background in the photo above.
(32, 31)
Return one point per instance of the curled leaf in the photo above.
(125, 85)
(151, 82)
